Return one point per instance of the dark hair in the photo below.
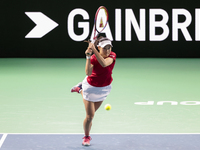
(97, 41)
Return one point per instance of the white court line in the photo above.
(3, 139)
(99, 133)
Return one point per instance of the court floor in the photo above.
(101, 142)
(148, 96)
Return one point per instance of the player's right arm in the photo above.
(88, 65)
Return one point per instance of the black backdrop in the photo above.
(15, 25)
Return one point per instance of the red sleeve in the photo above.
(112, 55)
(92, 59)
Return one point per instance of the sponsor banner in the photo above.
(138, 29)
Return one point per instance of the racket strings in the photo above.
(100, 24)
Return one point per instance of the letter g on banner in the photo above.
(84, 25)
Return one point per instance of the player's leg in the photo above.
(90, 111)
(90, 108)
(87, 123)
(96, 104)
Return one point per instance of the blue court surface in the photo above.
(100, 142)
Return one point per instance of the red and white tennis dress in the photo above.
(97, 86)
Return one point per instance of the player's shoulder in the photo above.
(93, 56)
(113, 55)
(93, 59)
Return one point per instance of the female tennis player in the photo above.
(97, 84)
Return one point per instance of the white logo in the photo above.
(169, 102)
(139, 27)
(112, 55)
(43, 25)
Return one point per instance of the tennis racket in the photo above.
(100, 21)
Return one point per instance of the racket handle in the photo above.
(89, 54)
(93, 41)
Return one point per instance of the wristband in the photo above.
(87, 57)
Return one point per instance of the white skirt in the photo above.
(94, 94)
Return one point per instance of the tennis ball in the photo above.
(107, 107)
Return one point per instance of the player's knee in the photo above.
(89, 118)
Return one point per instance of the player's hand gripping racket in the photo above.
(100, 22)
